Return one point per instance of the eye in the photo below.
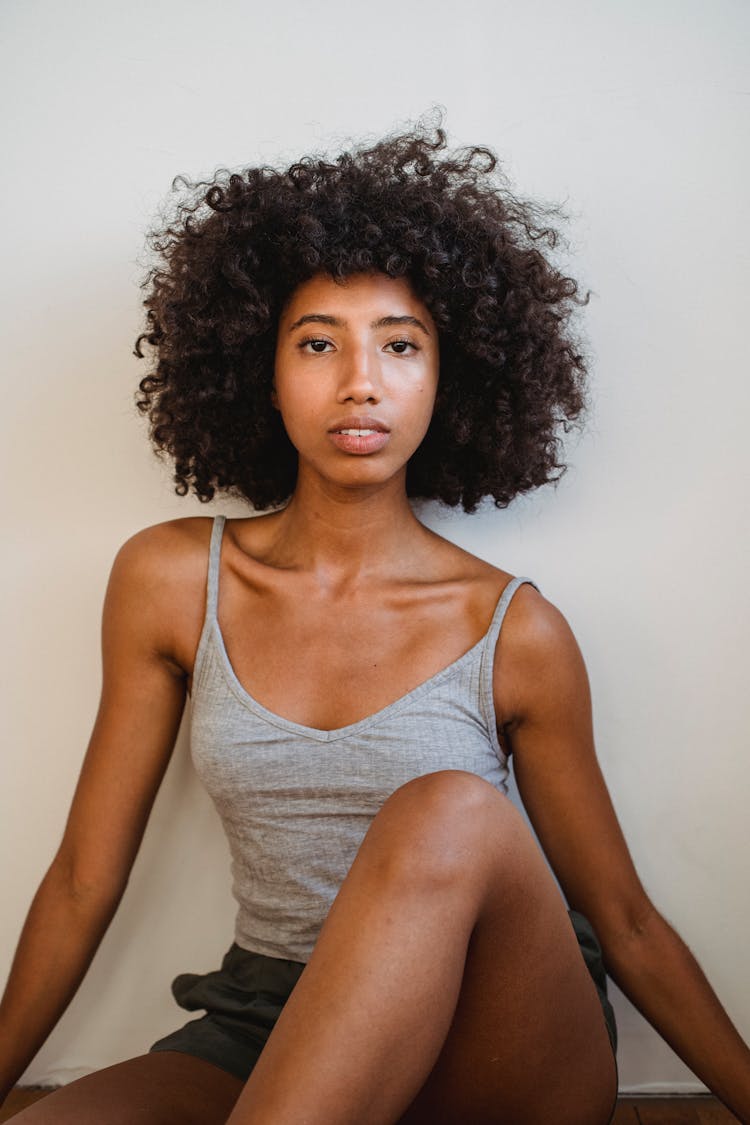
(313, 340)
(399, 344)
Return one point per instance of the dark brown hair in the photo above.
(511, 372)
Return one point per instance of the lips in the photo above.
(375, 436)
(359, 422)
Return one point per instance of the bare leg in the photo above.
(163, 1088)
(446, 986)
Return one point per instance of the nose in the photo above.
(360, 377)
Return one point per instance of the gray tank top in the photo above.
(296, 801)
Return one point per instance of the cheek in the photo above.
(300, 413)
(294, 415)
(427, 394)
(294, 395)
(422, 409)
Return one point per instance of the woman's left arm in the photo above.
(543, 700)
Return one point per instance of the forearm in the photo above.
(59, 938)
(659, 974)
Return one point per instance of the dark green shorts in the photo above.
(244, 998)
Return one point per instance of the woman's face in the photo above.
(356, 356)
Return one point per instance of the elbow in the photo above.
(627, 930)
(86, 889)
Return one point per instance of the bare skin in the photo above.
(164, 1088)
(446, 984)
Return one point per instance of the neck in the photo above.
(345, 537)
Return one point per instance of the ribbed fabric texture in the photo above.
(296, 801)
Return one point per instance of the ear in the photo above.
(274, 398)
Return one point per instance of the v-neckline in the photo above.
(335, 733)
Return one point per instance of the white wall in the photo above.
(633, 112)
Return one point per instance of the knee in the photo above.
(446, 793)
(442, 826)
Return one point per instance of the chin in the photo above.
(365, 474)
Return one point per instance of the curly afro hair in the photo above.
(511, 372)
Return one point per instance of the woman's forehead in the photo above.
(357, 292)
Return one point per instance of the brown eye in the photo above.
(402, 344)
(313, 340)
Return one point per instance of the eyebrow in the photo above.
(382, 322)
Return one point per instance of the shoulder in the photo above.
(537, 657)
(451, 563)
(157, 584)
(165, 552)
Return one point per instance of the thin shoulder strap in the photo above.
(214, 553)
(488, 658)
(212, 597)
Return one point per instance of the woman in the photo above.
(333, 341)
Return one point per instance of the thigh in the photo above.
(524, 1055)
(528, 1043)
(162, 1088)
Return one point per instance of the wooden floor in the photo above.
(672, 1111)
(630, 1111)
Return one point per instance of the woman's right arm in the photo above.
(142, 700)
